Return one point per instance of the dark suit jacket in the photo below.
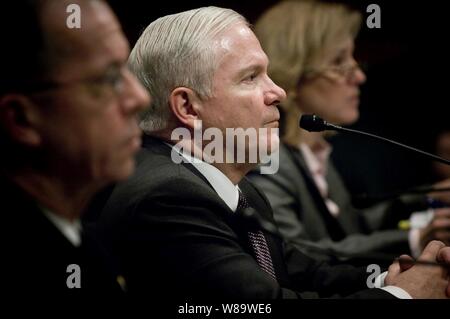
(305, 221)
(35, 257)
(177, 238)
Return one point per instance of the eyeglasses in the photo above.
(343, 71)
(112, 80)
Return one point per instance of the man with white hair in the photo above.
(180, 229)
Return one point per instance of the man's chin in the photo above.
(121, 172)
(269, 144)
(274, 143)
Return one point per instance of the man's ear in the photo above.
(18, 118)
(184, 103)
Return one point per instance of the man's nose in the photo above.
(136, 97)
(275, 94)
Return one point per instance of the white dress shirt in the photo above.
(226, 190)
(316, 160)
(70, 230)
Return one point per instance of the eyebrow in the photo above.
(250, 68)
(113, 66)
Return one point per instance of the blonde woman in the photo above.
(310, 47)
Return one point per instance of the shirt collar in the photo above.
(226, 190)
(316, 155)
(70, 230)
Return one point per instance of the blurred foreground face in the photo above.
(243, 95)
(332, 89)
(88, 120)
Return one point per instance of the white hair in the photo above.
(177, 50)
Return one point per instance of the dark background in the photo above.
(405, 97)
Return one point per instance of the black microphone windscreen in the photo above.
(312, 123)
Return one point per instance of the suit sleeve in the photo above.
(328, 281)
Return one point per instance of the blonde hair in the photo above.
(295, 35)
(176, 50)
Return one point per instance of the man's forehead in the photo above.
(100, 32)
(240, 40)
(93, 15)
(233, 36)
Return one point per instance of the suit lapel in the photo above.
(160, 147)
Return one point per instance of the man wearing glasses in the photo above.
(67, 119)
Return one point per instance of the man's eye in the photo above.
(251, 77)
(113, 79)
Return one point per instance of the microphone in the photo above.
(313, 123)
